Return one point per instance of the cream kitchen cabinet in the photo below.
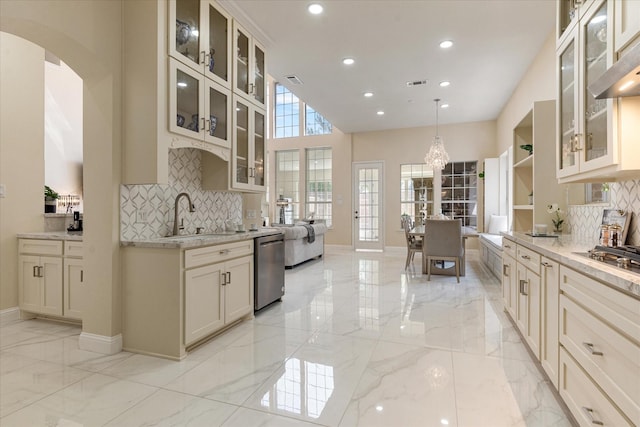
(73, 296)
(217, 294)
(528, 297)
(509, 275)
(249, 151)
(549, 300)
(40, 276)
(173, 297)
(600, 338)
(200, 37)
(593, 144)
(249, 77)
(626, 23)
(200, 110)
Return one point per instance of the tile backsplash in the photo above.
(157, 201)
(585, 220)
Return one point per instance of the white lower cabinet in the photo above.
(40, 284)
(216, 295)
(550, 290)
(528, 307)
(73, 288)
(509, 274)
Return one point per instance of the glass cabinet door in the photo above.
(242, 61)
(258, 149)
(596, 114)
(258, 74)
(217, 44)
(241, 152)
(567, 106)
(185, 101)
(217, 115)
(186, 43)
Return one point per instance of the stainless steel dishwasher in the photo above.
(268, 270)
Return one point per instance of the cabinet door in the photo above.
(258, 84)
(521, 300)
(532, 291)
(259, 151)
(240, 160)
(217, 111)
(51, 285)
(73, 288)
(203, 302)
(509, 274)
(242, 53)
(29, 283)
(627, 22)
(568, 78)
(238, 290)
(186, 101)
(549, 321)
(184, 32)
(216, 43)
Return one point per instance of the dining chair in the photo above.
(442, 242)
(413, 245)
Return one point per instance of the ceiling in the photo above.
(394, 42)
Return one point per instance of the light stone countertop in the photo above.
(563, 250)
(195, 240)
(52, 235)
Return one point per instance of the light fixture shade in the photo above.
(437, 157)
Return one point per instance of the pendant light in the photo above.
(437, 157)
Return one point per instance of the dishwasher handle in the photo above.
(273, 242)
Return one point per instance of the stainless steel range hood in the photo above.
(622, 79)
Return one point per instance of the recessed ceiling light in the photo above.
(379, 408)
(444, 106)
(182, 84)
(368, 94)
(446, 44)
(348, 61)
(315, 8)
(445, 83)
(380, 113)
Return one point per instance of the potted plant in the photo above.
(50, 200)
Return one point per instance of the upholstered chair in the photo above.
(442, 242)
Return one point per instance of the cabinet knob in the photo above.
(527, 257)
(545, 264)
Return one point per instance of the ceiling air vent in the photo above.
(417, 83)
(294, 80)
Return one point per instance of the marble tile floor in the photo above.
(357, 341)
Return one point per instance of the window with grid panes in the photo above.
(459, 186)
(288, 184)
(319, 188)
(416, 191)
(286, 113)
(315, 123)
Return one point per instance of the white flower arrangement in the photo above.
(556, 218)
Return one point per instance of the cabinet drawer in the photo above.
(585, 401)
(612, 360)
(73, 249)
(217, 253)
(529, 258)
(40, 247)
(509, 247)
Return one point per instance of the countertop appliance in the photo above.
(268, 270)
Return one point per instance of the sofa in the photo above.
(297, 248)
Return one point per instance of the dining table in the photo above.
(467, 232)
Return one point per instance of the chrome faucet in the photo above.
(192, 208)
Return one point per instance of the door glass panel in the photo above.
(217, 114)
(217, 43)
(595, 110)
(187, 96)
(259, 74)
(368, 206)
(242, 143)
(242, 62)
(567, 106)
(258, 149)
(187, 29)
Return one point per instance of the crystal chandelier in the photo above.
(437, 157)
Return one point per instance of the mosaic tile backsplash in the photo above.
(585, 220)
(157, 201)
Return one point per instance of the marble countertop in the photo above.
(195, 240)
(52, 235)
(565, 250)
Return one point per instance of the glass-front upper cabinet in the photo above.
(240, 169)
(249, 74)
(259, 150)
(201, 38)
(199, 108)
(249, 150)
(585, 123)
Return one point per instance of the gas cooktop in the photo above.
(625, 257)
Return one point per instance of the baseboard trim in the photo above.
(100, 343)
(9, 315)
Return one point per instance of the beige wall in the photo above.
(87, 36)
(21, 153)
(340, 143)
(538, 84)
(463, 142)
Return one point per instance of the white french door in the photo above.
(368, 221)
